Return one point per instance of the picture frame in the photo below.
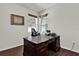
(17, 19)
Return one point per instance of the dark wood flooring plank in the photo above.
(18, 51)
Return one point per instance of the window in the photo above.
(40, 24)
(32, 22)
(44, 25)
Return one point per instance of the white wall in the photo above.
(12, 35)
(64, 20)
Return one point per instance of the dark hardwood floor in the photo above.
(63, 52)
(18, 51)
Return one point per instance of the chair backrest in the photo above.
(33, 30)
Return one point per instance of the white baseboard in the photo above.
(70, 49)
(22, 44)
(10, 47)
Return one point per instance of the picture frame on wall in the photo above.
(17, 19)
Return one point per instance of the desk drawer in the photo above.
(26, 43)
(40, 46)
(42, 52)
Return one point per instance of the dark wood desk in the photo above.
(39, 45)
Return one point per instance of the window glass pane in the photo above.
(40, 24)
(44, 25)
(32, 23)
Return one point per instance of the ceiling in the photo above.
(37, 7)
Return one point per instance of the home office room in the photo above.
(39, 29)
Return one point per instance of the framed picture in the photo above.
(17, 20)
